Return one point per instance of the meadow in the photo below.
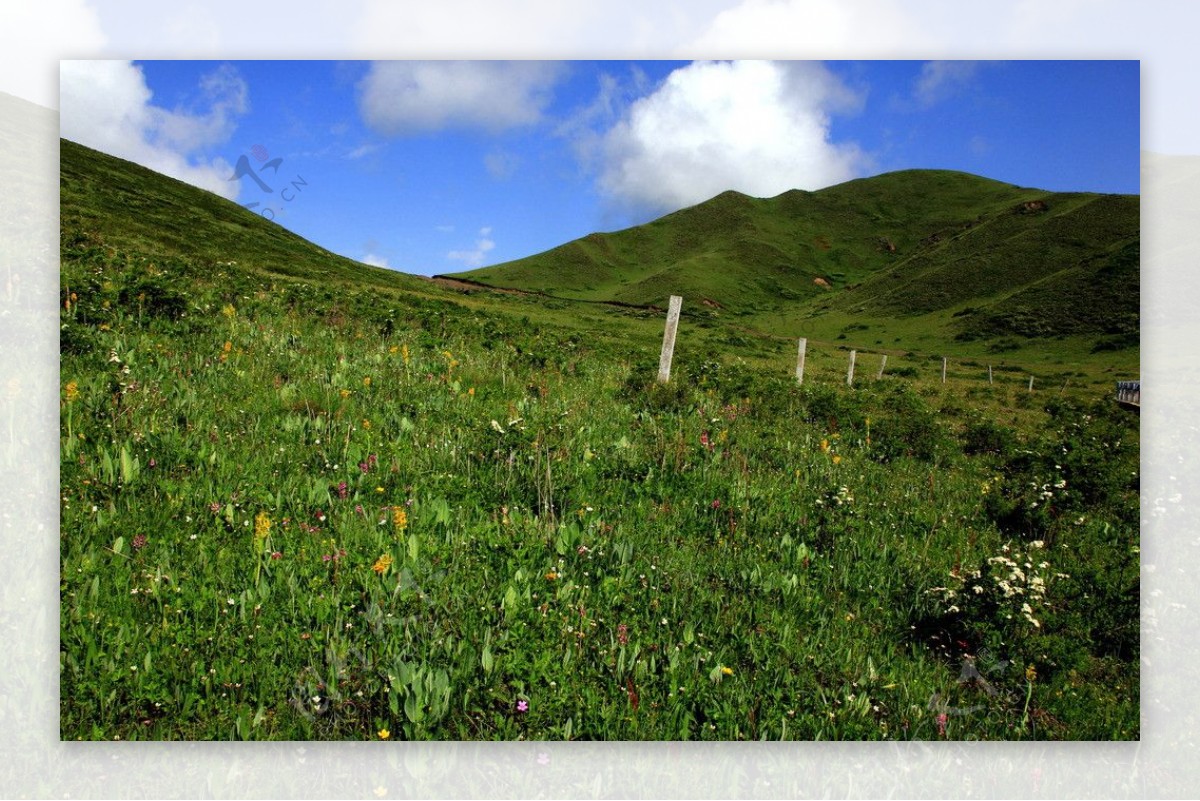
(293, 509)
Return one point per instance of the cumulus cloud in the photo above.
(474, 257)
(757, 127)
(409, 97)
(107, 106)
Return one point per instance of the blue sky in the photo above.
(444, 166)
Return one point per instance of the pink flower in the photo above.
(941, 724)
(277, 555)
(623, 634)
(522, 706)
(716, 504)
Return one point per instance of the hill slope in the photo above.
(109, 204)
(915, 242)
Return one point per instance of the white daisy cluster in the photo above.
(1013, 580)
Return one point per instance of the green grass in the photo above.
(296, 509)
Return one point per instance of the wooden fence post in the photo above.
(1031, 383)
(850, 373)
(943, 369)
(989, 374)
(800, 360)
(882, 364)
(668, 348)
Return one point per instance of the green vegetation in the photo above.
(960, 255)
(299, 507)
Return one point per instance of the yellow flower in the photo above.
(837, 459)
(382, 564)
(366, 423)
(393, 349)
(471, 392)
(262, 526)
(404, 353)
(1031, 673)
(71, 390)
(400, 518)
(551, 576)
(384, 734)
(367, 381)
(825, 446)
(345, 393)
(728, 671)
(229, 311)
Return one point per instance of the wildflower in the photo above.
(139, 542)
(551, 576)
(262, 526)
(345, 393)
(837, 459)
(343, 490)
(399, 518)
(384, 734)
(623, 634)
(728, 671)
(382, 564)
(367, 381)
(366, 423)
(404, 353)
(229, 311)
(716, 504)
(941, 724)
(1030, 673)
(824, 446)
(522, 706)
(277, 555)
(71, 391)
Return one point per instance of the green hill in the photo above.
(1009, 260)
(109, 205)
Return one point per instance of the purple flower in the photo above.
(522, 706)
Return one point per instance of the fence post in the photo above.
(800, 360)
(1031, 383)
(943, 369)
(989, 374)
(668, 347)
(882, 364)
(850, 373)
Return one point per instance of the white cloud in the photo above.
(107, 106)
(375, 260)
(940, 80)
(757, 127)
(408, 97)
(474, 257)
(362, 150)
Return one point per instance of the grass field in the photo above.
(301, 509)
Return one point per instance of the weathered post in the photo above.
(989, 374)
(800, 360)
(668, 348)
(882, 364)
(850, 373)
(1031, 383)
(943, 369)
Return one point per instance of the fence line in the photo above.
(1128, 392)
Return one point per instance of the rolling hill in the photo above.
(980, 257)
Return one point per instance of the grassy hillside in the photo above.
(110, 205)
(300, 504)
(900, 245)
